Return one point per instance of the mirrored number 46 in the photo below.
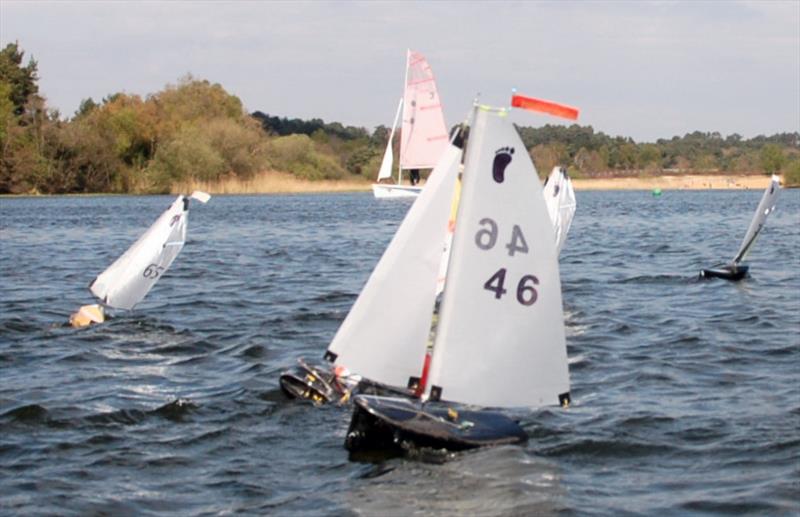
(526, 290)
(486, 237)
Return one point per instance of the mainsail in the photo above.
(559, 197)
(385, 171)
(765, 207)
(388, 346)
(126, 282)
(500, 340)
(424, 135)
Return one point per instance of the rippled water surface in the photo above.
(686, 393)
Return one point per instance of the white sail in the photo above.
(559, 196)
(388, 345)
(201, 196)
(765, 207)
(385, 171)
(132, 275)
(500, 340)
(424, 136)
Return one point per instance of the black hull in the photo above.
(729, 272)
(394, 426)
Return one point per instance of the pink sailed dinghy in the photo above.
(423, 134)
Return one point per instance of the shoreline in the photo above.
(284, 183)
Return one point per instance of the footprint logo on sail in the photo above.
(502, 157)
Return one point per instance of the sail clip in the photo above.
(436, 394)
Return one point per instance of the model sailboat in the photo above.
(126, 282)
(388, 346)
(735, 270)
(559, 196)
(498, 337)
(423, 136)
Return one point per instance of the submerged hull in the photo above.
(391, 191)
(310, 383)
(729, 272)
(395, 425)
(320, 385)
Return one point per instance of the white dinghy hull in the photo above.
(382, 191)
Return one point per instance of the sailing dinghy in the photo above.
(423, 136)
(126, 281)
(498, 337)
(559, 196)
(735, 270)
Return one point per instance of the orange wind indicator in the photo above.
(559, 110)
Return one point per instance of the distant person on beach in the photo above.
(414, 176)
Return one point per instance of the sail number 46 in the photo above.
(485, 239)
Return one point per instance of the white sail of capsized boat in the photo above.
(500, 340)
(423, 135)
(386, 343)
(559, 196)
(765, 207)
(126, 282)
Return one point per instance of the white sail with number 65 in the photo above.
(126, 282)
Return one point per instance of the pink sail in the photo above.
(424, 134)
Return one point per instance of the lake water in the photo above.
(686, 393)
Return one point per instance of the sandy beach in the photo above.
(284, 183)
(673, 182)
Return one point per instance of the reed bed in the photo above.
(270, 182)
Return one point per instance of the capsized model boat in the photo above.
(423, 136)
(498, 337)
(735, 270)
(559, 196)
(126, 281)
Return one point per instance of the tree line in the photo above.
(196, 130)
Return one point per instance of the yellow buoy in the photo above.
(87, 315)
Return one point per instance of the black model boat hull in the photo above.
(728, 272)
(395, 425)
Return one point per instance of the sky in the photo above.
(646, 70)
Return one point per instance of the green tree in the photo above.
(771, 158)
(22, 79)
(6, 110)
(791, 173)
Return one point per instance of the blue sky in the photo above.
(643, 69)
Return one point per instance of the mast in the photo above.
(405, 107)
